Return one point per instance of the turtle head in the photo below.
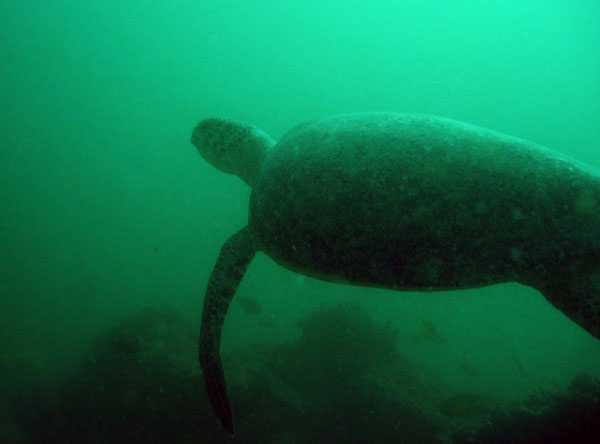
(232, 147)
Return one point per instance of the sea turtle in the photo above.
(406, 202)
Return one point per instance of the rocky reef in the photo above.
(343, 380)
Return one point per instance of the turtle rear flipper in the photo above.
(237, 252)
(575, 290)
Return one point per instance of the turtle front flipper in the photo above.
(237, 252)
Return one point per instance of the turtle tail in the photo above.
(237, 252)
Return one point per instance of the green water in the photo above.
(106, 207)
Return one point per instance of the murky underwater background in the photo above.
(110, 221)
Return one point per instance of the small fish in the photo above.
(429, 331)
(519, 363)
(466, 405)
(268, 322)
(466, 366)
(124, 344)
(249, 305)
